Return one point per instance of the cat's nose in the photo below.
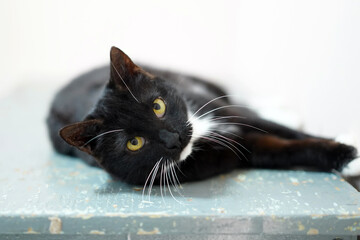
(170, 139)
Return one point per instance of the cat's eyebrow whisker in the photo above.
(124, 82)
(101, 134)
(219, 108)
(153, 177)
(147, 179)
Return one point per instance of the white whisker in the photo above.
(147, 179)
(232, 140)
(175, 180)
(219, 108)
(230, 133)
(102, 134)
(169, 187)
(225, 117)
(209, 138)
(224, 96)
(229, 143)
(153, 178)
(161, 179)
(243, 124)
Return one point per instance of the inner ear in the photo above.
(123, 69)
(80, 134)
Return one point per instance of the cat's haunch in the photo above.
(144, 125)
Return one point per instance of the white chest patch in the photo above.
(201, 127)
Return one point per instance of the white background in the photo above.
(297, 55)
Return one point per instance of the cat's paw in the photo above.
(352, 169)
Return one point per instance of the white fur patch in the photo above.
(352, 169)
(200, 128)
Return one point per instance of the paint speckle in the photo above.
(294, 181)
(337, 188)
(240, 178)
(219, 210)
(137, 189)
(115, 206)
(312, 231)
(73, 174)
(55, 225)
(152, 232)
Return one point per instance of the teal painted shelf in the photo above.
(44, 195)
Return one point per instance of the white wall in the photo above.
(303, 55)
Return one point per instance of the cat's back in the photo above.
(73, 102)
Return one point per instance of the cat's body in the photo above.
(199, 134)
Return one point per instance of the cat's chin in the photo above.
(186, 152)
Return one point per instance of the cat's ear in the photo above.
(80, 134)
(123, 69)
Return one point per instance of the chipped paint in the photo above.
(317, 216)
(84, 216)
(301, 227)
(152, 232)
(352, 228)
(55, 225)
(348, 216)
(313, 231)
(122, 215)
(97, 232)
(31, 231)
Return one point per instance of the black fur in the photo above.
(121, 97)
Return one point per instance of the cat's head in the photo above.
(139, 120)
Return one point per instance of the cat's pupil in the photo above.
(134, 141)
(156, 106)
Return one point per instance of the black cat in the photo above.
(142, 123)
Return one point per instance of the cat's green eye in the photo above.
(159, 107)
(135, 144)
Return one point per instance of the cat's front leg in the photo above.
(270, 151)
